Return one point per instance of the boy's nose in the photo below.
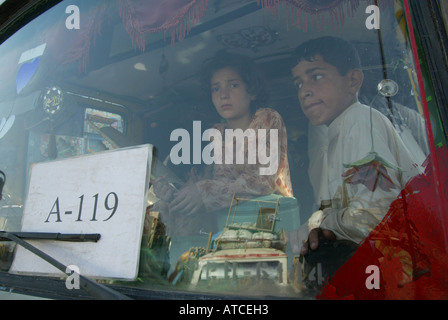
(304, 93)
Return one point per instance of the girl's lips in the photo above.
(226, 106)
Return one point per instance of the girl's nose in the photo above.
(224, 92)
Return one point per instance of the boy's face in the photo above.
(323, 93)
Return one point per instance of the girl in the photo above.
(237, 92)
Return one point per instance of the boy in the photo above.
(327, 74)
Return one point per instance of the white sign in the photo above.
(103, 193)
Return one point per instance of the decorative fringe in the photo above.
(80, 48)
(136, 14)
(180, 24)
(300, 13)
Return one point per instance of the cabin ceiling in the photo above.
(239, 26)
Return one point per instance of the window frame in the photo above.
(430, 30)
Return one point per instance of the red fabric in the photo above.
(409, 246)
(141, 17)
(300, 13)
(313, 6)
(177, 17)
(67, 46)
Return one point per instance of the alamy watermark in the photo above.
(259, 150)
(73, 21)
(73, 278)
(372, 281)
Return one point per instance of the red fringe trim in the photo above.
(304, 14)
(179, 25)
(300, 14)
(80, 48)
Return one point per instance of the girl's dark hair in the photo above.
(335, 51)
(245, 67)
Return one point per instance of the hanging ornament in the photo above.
(164, 65)
(52, 104)
(52, 145)
(52, 101)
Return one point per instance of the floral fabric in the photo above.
(244, 180)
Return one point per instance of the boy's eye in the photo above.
(215, 89)
(298, 85)
(235, 85)
(317, 76)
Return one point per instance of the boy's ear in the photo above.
(356, 78)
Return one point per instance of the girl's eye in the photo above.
(235, 85)
(298, 85)
(215, 89)
(317, 76)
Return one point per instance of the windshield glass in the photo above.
(273, 127)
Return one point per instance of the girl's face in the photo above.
(229, 95)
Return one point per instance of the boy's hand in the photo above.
(313, 239)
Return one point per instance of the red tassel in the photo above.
(185, 16)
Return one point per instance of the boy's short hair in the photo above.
(245, 67)
(335, 51)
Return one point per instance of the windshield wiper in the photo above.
(96, 290)
(72, 237)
